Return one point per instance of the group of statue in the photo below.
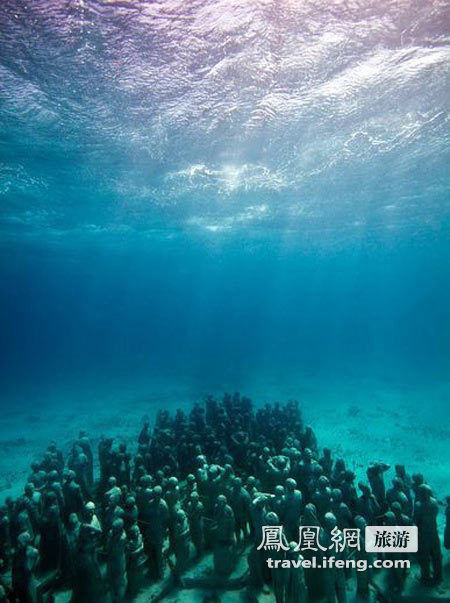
(203, 481)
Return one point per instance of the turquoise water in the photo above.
(220, 195)
(226, 311)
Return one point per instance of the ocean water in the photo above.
(220, 195)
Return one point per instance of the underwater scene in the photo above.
(224, 301)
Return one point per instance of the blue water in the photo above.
(216, 195)
(220, 312)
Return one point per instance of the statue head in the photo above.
(291, 484)
(323, 482)
(330, 521)
(221, 500)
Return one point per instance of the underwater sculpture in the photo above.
(135, 560)
(23, 573)
(156, 524)
(425, 517)
(223, 530)
(294, 505)
(181, 541)
(195, 514)
(116, 560)
(375, 474)
(88, 581)
(158, 513)
(333, 577)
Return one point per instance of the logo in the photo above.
(391, 539)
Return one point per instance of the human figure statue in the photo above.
(400, 472)
(79, 463)
(130, 512)
(113, 489)
(195, 514)
(88, 586)
(144, 500)
(258, 516)
(182, 542)
(263, 468)
(139, 469)
(50, 462)
(429, 546)
(293, 508)
(70, 549)
(51, 541)
(239, 444)
(326, 462)
(279, 574)
(322, 496)
(85, 445)
(367, 505)
(19, 520)
(121, 465)
(349, 494)
(375, 474)
(116, 561)
(113, 510)
(145, 436)
(337, 474)
(396, 576)
(340, 510)
(401, 519)
(37, 477)
(156, 530)
(146, 483)
(363, 578)
(202, 475)
(213, 486)
(224, 530)
(417, 480)
(25, 561)
(53, 489)
(278, 502)
(34, 501)
(396, 494)
(105, 460)
(278, 470)
(296, 589)
(135, 561)
(191, 486)
(90, 516)
(333, 577)
(305, 471)
(73, 496)
(309, 439)
(314, 578)
(172, 496)
(252, 486)
(240, 503)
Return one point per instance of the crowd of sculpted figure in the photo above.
(205, 481)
